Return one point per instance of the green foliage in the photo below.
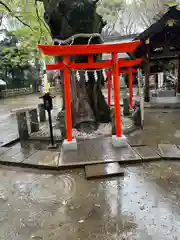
(15, 60)
(34, 30)
(29, 12)
(23, 20)
(13, 56)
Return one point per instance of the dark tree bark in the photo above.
(65, 19)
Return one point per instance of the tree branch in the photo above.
(18, 18)
(45, 26)
(40, 19)
(1, 18)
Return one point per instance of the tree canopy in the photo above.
(16, 61)
(26, 17)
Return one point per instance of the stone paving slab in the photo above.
(9, 139)
(103, 170)
(158, 151)
(45, 138)
(178, 146)
(43, 158)
(98, 150)
(3, 149)
(164, 102)
(16, 155)
(169, 151)
(34, 145)
(146, 153)
(89, 152)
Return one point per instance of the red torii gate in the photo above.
(68, 50)
(129, 67)
(128, 64)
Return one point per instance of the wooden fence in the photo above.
(15, 92)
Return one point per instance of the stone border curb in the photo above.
(149, 159)
(7, 144)
(83, 164)
(44, 139)
(164, 106)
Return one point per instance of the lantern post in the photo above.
(48, 106)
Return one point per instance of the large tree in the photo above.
(65, 19)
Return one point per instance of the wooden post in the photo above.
(42, 113)
(117, 95)
(130, 88)
(147, 73)
(22, 125)
(109, 88)
(34, 123)
(67, 93)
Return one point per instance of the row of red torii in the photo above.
(118, 66)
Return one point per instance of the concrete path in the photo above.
(49, 205)
(143, 205)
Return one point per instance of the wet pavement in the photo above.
(143, 205)
(98, 150)
(9, 106)
(160, 126)
(103, 170)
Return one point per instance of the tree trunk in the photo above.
(88, 102)
(81, 109)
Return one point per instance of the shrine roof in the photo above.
(118, 37)
(115, 40)
(169, 21)
(163, 34)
